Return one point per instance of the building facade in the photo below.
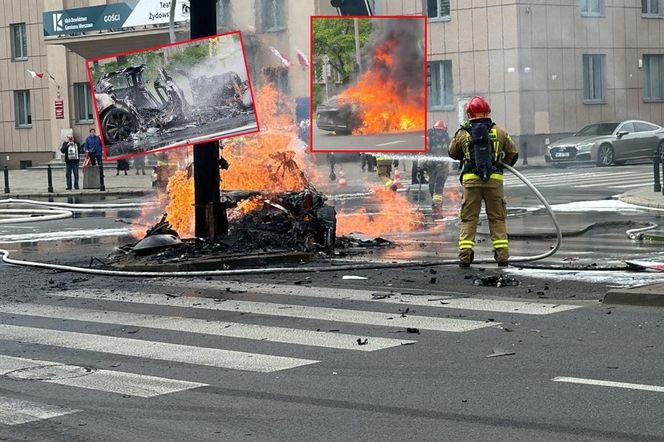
(547, 68)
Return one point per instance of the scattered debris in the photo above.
(498, 352)
(496, 281)
(381, 295)
(407, 343)
(412, 330)
(432, 280)
(362, 342)
(353, 277)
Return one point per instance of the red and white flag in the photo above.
(302, 59)
(282, 58)
(34, 74)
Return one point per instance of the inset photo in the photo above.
(368, 87)
(172, 96)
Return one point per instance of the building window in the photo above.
(273, 15)
(19, 42)
(223, 14)
(84, 107)
(441, 92)
(652, 77)
(592, 8)
(22, 108)
(593, 78)
(650, 7)
(438, 9)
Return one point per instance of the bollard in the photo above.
(6, 180)
(655, 169)
(102, 187)
(660, 165)
(49, 177)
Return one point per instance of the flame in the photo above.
(180, 208)
(395, 214)
(268, 161)
(251, 204)
(384, 104)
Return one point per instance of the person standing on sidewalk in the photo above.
(92, 146)
(482, 147)
(72, 152)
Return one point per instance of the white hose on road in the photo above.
(76, 206)
(33, 215)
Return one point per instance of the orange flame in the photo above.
(394, 214)
(384, 105)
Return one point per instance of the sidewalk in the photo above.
(33, 183)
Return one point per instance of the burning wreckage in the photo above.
(128, 110)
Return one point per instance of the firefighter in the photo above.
(435, 172)
(481, 146)
(384, 170)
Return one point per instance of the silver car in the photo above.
(606, 144)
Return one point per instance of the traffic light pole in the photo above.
(210, 213)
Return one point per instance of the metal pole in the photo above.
(661, 160)
(102, 187)
(49, 177)
(210, 213)
(6, 180)
(358, 59)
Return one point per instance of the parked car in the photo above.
(606, 144)
(337, 116)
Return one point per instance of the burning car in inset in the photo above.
(338, 115)
(126, 106)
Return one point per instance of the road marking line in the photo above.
(217, 328)
(288, 310)
(391, 142)
(528, 308)
(626, 385)
(213, 357)
(103, 380)
(17, 412)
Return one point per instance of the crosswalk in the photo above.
(618, 178)
(221, 332)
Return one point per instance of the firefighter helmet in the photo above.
(440, 124)
(478, 107)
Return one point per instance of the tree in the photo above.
(335, 37)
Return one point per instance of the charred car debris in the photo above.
(297, 221)
(127, 107)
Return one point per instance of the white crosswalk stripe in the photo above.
(187, 354)
(17, 411)
(31, 324)
(288, 310)
(448, 302)
(217, 328)
(85, 377)
(603, 178)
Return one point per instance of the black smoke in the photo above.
(405, 39)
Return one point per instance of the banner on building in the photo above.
(113, 16)
(59, 110)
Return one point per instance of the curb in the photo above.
(651, 295)
(631, 197)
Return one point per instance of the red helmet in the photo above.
(477, 107)
(440, 124)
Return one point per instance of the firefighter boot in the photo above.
(466, 257)
(501, 256)
(437, 209)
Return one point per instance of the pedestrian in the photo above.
(139, 163)
(482, 147)
(92, 146)
(72, 152)
(122, 165)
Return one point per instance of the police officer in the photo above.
(481, 146)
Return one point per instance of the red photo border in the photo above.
(311, 83)
(152, 48)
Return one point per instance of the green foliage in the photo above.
(189, 57)
(335, 37)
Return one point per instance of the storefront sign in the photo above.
(59, 110)
(113, 16)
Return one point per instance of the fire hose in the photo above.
(329, 268)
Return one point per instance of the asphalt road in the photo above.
(96, 358)
(399, 141)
